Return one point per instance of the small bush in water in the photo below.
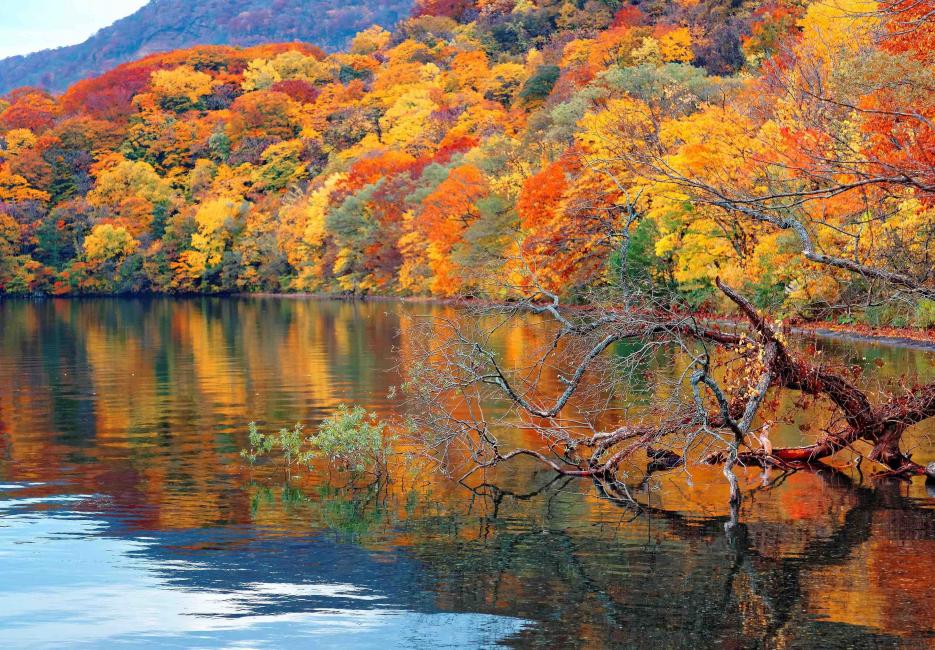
(352, 439)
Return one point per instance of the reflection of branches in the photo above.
(752, 572)
(462, 370)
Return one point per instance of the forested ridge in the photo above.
(165, 25)
(483, 147)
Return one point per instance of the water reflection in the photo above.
(66, 577)
(126, 516)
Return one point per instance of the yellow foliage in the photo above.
(405, 123)
(201, 175)
(107, 242)
(370, 40)
(577, 52)
(14, 187)
(408, 51)
(617, 127)
(415, 276)
(18, 140)
(212, 215)
(263, 73)
(676, 46)
(469, 70)
(119, 179)
(304, 233)
(714, 138)
(190, 266)
(649, 51)
(833, 25)
(183, 81)
(701, 251)
(504, 80)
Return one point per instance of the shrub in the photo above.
(351, 439)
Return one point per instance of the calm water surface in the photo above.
(127, 517)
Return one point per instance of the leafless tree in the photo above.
(468, 402)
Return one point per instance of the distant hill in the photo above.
(173, 24)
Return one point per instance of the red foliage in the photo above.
(31, 109)
(371, 169)
(455, 9)
(263, 114)
(109, 96)
(298, 89)
(449, 148)
(628, 16)
(911, 28)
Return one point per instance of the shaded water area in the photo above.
(127, 517)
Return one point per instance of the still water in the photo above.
(127, 517)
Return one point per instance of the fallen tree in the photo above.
(713, 411)
(843, 170)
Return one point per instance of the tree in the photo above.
(108, 259)
(181, 88)
(131, 191)
(446, 214)
(720, 182)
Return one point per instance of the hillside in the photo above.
(165, 25)
(482, 147)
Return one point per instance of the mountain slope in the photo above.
(164, 25)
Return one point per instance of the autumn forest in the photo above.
(480, 147)
(654, 336)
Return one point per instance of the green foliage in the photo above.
(766, 293)
(677, 87)
(925, 313)
(431, 160)
(351, 439)
(287, 442)
(541, 83)
(895, 316)
(486, 240)
(643, 265)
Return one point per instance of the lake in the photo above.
(128, 518)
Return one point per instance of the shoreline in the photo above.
(903, 337)
(895, 337)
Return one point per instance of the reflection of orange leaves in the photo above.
(800, 500)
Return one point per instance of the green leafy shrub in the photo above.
(872, 316)
(351, 439)
(896, 316)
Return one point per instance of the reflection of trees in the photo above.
(159, 435)
(687, 584)
(148, 399)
